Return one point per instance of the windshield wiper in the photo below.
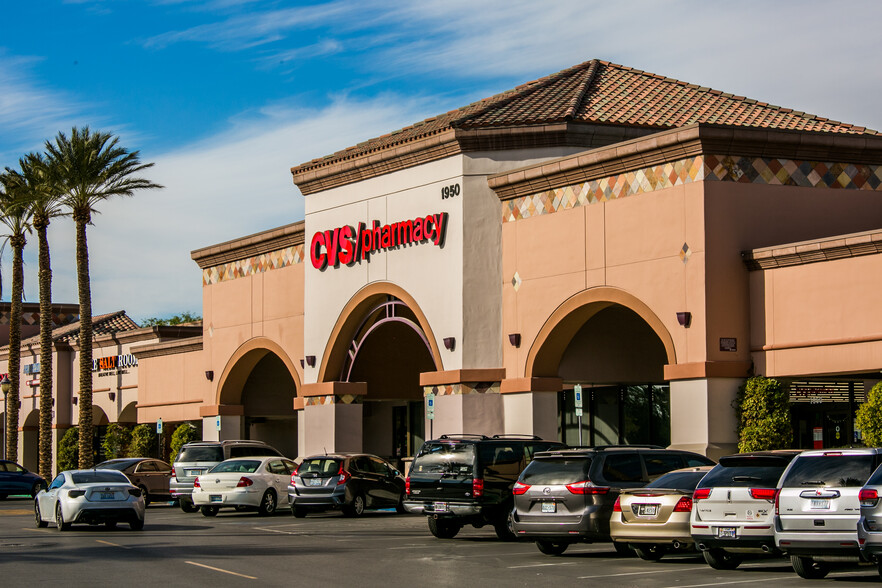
(813, 483)
(745, 479)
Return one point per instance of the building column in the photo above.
(332, 417)
(466, 401)
(530, 406)
(222, 421)
(702, 417)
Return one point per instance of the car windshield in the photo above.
(556, 470)
(239, 466)
(829, 470)
(743, 476)
(201, 453)
(120, 464)
(321, 467)
(99, 478)
(677, 480)
(445, 458)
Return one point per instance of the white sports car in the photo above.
(92, 497)
(245, 482)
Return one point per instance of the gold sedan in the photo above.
(655, 519)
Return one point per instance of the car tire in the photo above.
(267, 504)
(145, 494)
(187, 506)
(399, 508)
(650, 552)
(208, 511)
(41, 524)
(136, 524)
(443, 529)
(806, 567)
(503, 529)
(59, 519)
(35, 489)
(110, 524)
(720, 559)
(298, 512)
(551, 547)
(623, 549)
(356, 509)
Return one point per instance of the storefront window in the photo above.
(617, 415)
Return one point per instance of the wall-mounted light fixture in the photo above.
(209, 375)
(450, 343)
(75, 400)
(302, 364)
(112, 396)
(684, 318)
(514, 339)
(310, 360)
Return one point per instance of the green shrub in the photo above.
(185, 433)
(69, 450)
(869, 417)
(116, 441)
(763, 410)
(143, 443)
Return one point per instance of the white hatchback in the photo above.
(92, 497)
(245, 482)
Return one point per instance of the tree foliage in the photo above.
(116, 441)
(185, 433)
(178, 319)
(869, 417)
(143, 443)
(69, 450)
(763, 410)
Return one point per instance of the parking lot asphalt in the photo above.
(378, 549)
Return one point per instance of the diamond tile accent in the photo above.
(516, 281)
(253, 265)
(685, 253)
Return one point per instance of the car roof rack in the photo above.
(518, 436)
(464, 436)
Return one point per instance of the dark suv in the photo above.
(200, 456)
(460, 480)
(567, 496)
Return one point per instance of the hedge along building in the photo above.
(650, 240)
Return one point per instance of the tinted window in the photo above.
(661, 463)
(378, 467)
(678, 480)
(693, 461)
(622, 468)
(201, 453)
(116, 464)
(320, 466)
(445, 458)
(743, 476)
(556, 470)
(147, 466)
(251, 450)
(245, 466)
(361, 464)
(829, 470)
(3, 466)
(161, 466)
(290, 465)
(14, 467)
(58, 482)
(99, 477)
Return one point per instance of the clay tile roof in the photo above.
(103, 324)
(599, 92)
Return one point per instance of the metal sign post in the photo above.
(577, 396)
(430, 412)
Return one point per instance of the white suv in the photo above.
(817, 508)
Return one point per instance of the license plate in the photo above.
(215, 498)
(107, 496)
(821, 503)
(726, 532)
(647, 510)
(549, 507)
(439, 507)
(313, 481)
(191, 473)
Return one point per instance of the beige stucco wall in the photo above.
(171, 387)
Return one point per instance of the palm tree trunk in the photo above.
(12, 397)
(45, 280)
(87, 459)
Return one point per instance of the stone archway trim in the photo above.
(255, 344)
(347, 321)
(597, 299)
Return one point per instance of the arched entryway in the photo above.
(29, 437)
(615, 348)
(384, 340)
(261, 379)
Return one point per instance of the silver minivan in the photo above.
(817, 508)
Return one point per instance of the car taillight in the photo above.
(407, 485)
(135, 492)
(293, 482)
(244, 482)
(683, 505)
(777, 500)
(701, 493)
(477, 487)
(763, 493)
(76, 493)
(586, 487)
(868, 497)
(520, 488)
(344, 475)
(196, 483)
(617, 507)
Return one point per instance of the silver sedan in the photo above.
(91, 497)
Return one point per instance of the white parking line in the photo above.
(542, 565)
(112, 544)
(773, 579)
(276, 531)
(193, 563)
(671, 571)
(413, 546)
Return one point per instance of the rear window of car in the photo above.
(743, 476)
(323, 467)
(249, 450)
(556, 470)
(445, 458)
(201, 453)
(678, 480)
(99, 478)
(622, 467)
(829, 470)
(116, 465)
(240, 466)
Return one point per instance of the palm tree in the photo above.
(34, 186)
(90, 167)
(16, 215)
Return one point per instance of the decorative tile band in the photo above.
(253, 265)
(724, 168)
(33, 318)
(463, 388)
(331, 399)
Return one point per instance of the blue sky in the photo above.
(226, 95)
